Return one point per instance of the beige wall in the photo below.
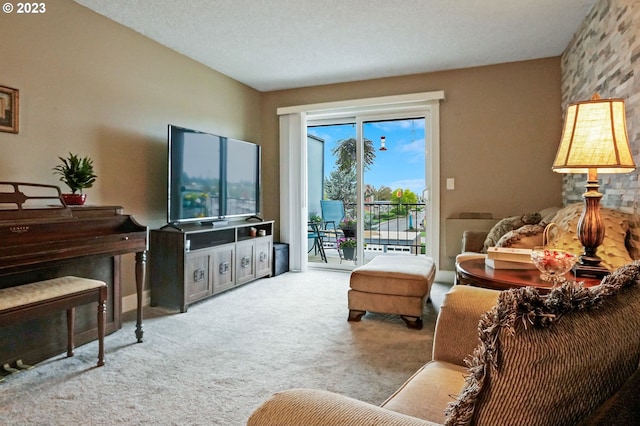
(92, 87)
(500, 128)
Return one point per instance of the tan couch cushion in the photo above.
(444, 381)
(314, 407)
(460, 312)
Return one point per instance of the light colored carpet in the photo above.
(216, 363)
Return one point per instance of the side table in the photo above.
(475, 272)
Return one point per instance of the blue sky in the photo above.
(401, 166)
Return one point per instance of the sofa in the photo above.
(506, 358)
(621, 244)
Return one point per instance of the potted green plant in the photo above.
(348, 226)
(314, 218)
(348, 247)
(77, 173)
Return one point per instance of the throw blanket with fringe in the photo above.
(532, 368)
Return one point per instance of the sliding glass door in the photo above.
(366, 186)
(332, 192)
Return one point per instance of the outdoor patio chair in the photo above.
(332, 214)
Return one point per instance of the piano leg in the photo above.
(102, 313)
(141, 268)
(71, 319)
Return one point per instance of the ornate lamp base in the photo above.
(591, 231)
(589, 271)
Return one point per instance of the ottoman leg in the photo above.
(412, 322)
(355, 316)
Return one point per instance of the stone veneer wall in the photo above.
(604, 57)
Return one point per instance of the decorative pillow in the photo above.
(538, 352)
(623, 408)
(527, 236)
(508, 224)
(547, 214)
(633, 240)
(612, 251)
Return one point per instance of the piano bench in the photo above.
(29, 301)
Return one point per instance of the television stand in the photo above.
(172, 225)
(190, 262)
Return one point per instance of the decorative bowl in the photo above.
(553, 264)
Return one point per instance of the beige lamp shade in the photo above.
(595, 137)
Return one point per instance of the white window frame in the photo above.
(293, 161)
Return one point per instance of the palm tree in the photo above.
(345, 152)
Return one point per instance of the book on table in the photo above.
(519, 255)
(506, 264)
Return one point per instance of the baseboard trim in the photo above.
(445, 276)
(130, 303)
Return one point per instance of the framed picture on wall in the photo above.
(9, 109)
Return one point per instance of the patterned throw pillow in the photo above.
(508, 224)
(527, 236)
(548, 214)
(633, 241)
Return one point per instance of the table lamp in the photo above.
(594, 140)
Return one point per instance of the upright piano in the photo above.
(42, 238)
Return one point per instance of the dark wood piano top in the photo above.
(37, 228)
(89, 232)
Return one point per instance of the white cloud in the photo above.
(416, 146)
(415, 185)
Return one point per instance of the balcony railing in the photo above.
(390, 228)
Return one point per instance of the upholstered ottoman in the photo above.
(392, 284)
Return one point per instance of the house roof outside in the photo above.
(283, 44)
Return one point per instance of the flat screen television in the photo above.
(211, 177)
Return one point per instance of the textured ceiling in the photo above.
(280, 44)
